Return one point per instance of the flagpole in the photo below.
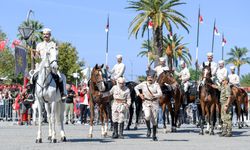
(148, 41)
(223, 46)
(197, 51)
(107, 40)
(213, 36)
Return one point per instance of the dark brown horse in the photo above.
(240, 100)
(99, 97)
(208, 100)
(138, 105)
(172, 97)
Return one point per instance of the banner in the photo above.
(20, 60)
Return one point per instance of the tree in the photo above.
(193, 74)
(174, 48)
(237, 56)
(245, 80)
(161, 13)
(6, 60)
(68, 60)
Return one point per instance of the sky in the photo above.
(83, 23)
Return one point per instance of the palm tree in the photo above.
(174, 48)
(238, 57)
(161, 13)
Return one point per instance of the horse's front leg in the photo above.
(163, 107)
(53, 121)
(101, 119)
(212, 118)
(48, 111)
(39, 133)
(92, 114)
(202, 118)
(106, 117)
(60, 119)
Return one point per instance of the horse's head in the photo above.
(51, 59)
(166, 77)
(97, 77)
(206, 72)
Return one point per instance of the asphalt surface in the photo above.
(16, 137)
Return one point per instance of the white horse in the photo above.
(47, 92)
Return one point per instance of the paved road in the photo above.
(14, 137)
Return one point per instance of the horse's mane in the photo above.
(166, 77)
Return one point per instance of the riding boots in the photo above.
(148, 127)
(154, 133)
(115, 130)
(61, 88)
(121, 127)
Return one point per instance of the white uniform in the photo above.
(234, 79)
(221, 74)
(152, 93)
(185, 76)
(159, 69)
(122, 101)
(45, 47)
(117, 71)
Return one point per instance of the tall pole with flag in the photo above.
(223, 44)
(213, 36)
(200, 20)
(150, 26)
(107, 40)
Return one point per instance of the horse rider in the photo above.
(151, 92)
(120, 105)
(118, 69)
(225, 99)
(221, 72)
(234, 79)
(184, 76)
(212, 63)
(41, 51)
(161, 67)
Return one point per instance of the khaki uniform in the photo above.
(121, 103)
(226, 116)
(151, 102)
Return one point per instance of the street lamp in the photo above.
(76, 76)
(26, 32)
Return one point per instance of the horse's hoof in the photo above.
(54, 141)
(211, 133)
(206, 132)
(135, 128)
(49, 138)
(39, 140)
(63, 139)
(127, 128)
(165, 130)
(90, 135)
(201, 133)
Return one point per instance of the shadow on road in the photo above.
(174, 140)
(90, 140)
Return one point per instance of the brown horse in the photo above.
(208, 100)
(97, 96)
(172, 97)
(240, 99)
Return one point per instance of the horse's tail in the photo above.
(245, 100)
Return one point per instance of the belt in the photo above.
(120, 100)
(154, 99)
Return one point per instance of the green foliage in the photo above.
(193, 76)
(68, 60)
(141, 78)
(238, 57)
(245, 80)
